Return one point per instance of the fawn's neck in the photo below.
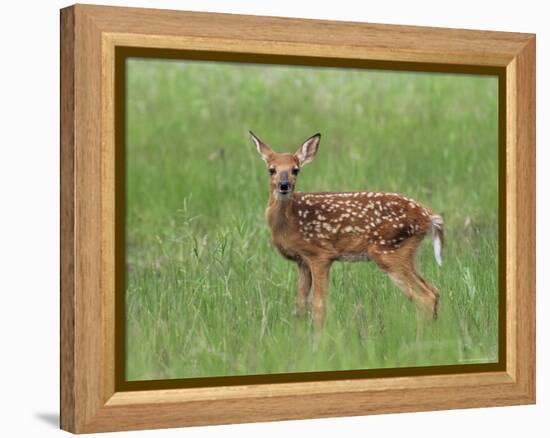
(279, 213)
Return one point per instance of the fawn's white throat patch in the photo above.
(282, 196)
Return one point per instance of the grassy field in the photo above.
(207, 295)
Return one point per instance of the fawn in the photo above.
(316, 229)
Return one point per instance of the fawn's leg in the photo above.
(430, 290)
(404, 278)
(429, 294)
(304, 286)
(399, 265)
(319, 277)
(403, 282)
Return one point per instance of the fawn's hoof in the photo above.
(436, 309)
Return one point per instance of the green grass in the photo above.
(207, 295)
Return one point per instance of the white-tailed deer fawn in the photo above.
(316, 229)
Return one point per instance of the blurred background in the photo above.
(207, 295)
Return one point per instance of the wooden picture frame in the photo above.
(91, 399)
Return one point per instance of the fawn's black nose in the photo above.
(284, 187)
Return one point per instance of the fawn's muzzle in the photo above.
(284, 183)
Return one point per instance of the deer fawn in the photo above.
(316, 229)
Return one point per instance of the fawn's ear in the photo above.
(307, 151)
(264, 150)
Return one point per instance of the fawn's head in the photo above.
(283, 168)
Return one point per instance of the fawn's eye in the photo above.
(295, 171)
(272, 171)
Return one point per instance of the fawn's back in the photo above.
(351, 225)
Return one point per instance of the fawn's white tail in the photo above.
(437, 234)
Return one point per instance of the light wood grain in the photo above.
(108, 216)
(264, 34)
(307, 388)
(525, 231)
(88, 303)
(67, 259)
(296, 406)
(89, 36)
(512, 215)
